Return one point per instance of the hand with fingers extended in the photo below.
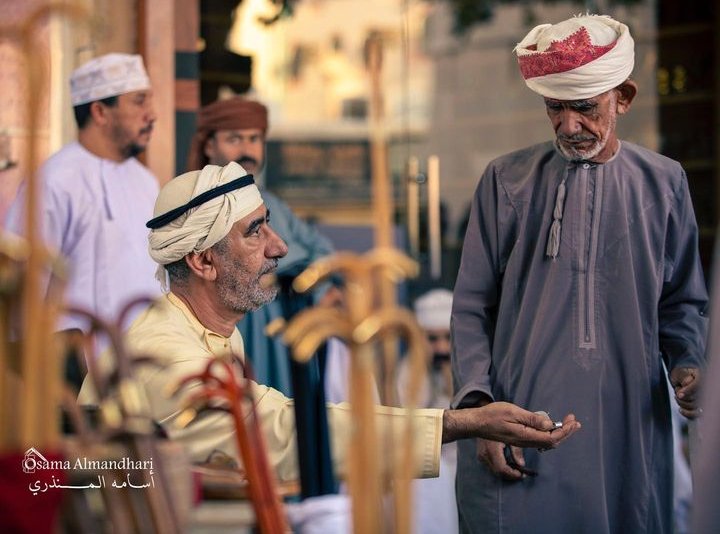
(686, 383)
(508, 423)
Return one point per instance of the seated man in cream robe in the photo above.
(212, 236)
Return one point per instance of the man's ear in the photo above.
(202, 264)
(626, 93)
(100, 113)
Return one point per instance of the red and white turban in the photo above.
(578, 58)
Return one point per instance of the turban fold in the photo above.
(108, 75)
(433, 309)
(235, 113)
(203, 225)
(578, 58)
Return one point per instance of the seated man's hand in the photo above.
(508, 423)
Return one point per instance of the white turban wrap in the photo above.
(579, 58)
(433, 309)
(203, 226)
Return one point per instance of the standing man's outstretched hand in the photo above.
(508, 423)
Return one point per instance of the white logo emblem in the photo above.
(33, 460)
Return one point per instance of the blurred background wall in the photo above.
(451, 89)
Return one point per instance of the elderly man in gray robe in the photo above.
(580, 273)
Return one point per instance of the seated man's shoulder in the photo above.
(164, 333)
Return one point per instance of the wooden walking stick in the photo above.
(39, 366)
(357, 326)
(125, 413)
(369, 324)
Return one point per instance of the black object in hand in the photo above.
(512, 463)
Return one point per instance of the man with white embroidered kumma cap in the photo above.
(579, 275)
(96, 195)
(106, 76)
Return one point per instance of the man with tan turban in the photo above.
(579, 275)
(211, 235)
(235, 129)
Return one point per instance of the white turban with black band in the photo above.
(578, 58)
(197, 209)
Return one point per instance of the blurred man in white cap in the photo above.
(96, 195)
(434, 505)
(580, 273)
(432, 311)
(211, 234)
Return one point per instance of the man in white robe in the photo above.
(96, 197)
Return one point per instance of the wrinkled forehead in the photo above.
(257, 217)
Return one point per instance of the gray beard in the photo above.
(247, 299)
(576, 157)
(243, 296)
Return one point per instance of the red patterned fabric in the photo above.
(570, 53)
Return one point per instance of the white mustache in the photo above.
(270, 267)
(576, 138)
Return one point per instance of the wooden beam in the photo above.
(156, 43)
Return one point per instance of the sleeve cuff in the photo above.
(470, 396)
